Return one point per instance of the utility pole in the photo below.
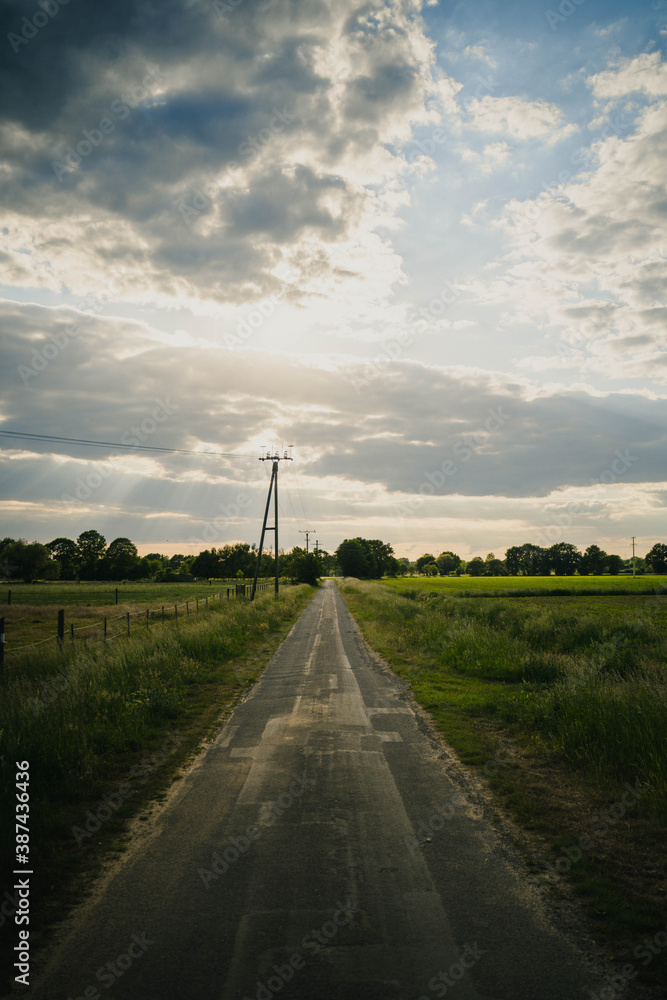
(274, 458)
(633, 556)
(311, 531)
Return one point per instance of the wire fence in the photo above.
(122, 625)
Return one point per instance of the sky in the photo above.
(423, 244)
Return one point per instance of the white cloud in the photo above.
(518, 119)
(646, 73)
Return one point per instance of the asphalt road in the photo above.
(321, 848)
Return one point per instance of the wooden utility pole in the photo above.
(274, 458)
(311, 531)
(633, 555)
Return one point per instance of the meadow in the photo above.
(569, 693)
(530, 586)
(32, 615)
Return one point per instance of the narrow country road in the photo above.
(292, 860)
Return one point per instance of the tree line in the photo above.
(90, 558)
(370, 559)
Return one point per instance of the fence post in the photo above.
(128, 622)
(175, 610)
(187, 608)
(146, 617)
(105, 630)
(61, 627)
(197, 600)
(116, 595)
(207, 602)
(163, 612)
(2, 641)
(71, 632)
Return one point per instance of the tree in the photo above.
(424, 560)
(564, 558)
(614, 565)
(207, 564)
(593, 561)
(513, 560)
(448, 562)
(67, 554)
(155, 556)
(303, 567)
(122, 559)
(380, 555)
(352, 558)
(495, 567)
(534, 560)
(28, 560)
(657, 558)
(476, 567)
(90, 546)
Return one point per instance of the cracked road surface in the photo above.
(321, 848)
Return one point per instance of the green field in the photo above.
(571, 691)
(93, 593)
(527, 586)
(32, 616)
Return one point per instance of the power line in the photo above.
(115, 444)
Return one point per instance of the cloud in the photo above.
(188, 173)
(646, 74)
(518, 119)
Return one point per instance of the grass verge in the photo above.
(564, 714)
(105, 730)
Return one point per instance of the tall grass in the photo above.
(592, 692)
(75, 714)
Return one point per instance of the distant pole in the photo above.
(61, 627)
(275, 519)
(311, 531)
(633, 556)
(274, 458)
